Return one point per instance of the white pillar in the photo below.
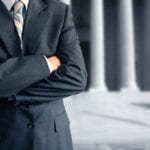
(97, 46)
(66, 1)
(127, 46)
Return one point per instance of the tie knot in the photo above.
(18, 6)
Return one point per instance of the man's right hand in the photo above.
(54, 62)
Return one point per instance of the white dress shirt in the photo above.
(9, 4)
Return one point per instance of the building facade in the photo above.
(114, 36)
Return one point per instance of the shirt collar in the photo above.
(9, 3)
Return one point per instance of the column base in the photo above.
(129, 88)
(98, 88)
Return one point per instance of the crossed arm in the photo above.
(28, 78)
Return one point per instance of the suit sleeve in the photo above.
(70, 78)
(20, 72)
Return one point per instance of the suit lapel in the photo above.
(8, 33)
(35, 19)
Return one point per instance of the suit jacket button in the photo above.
(30, 125)
(26, 104)
(63, 72)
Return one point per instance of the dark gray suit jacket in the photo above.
(32, 113)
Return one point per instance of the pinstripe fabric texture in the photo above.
(18, 18)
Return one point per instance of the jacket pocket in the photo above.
(61, 121)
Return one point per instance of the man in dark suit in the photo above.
(40, 64)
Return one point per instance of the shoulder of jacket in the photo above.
(57, 3)
(58, 8)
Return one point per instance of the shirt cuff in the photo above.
(49, 66)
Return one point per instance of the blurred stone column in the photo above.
(127, 45)
(97, 46)
(146, 45)
(66, 1)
